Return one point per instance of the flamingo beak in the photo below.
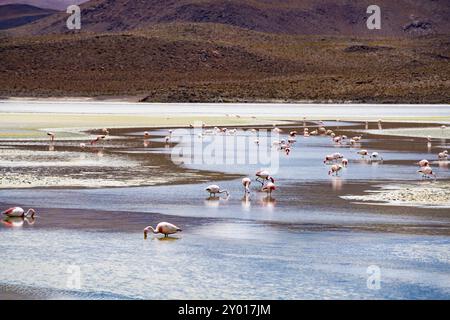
(145, 234)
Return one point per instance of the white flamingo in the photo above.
(164, 228)
(443, 155)
(215, 189)
(19, 212)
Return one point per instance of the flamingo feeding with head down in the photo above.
(335, 168)
(19, 212)
(426, 172)
(269, 188)
(51, 135)
(164, 228)
(263, 176)
(246, 182)
(97, 139)
(215, 189)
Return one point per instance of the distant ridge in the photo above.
(308, 17)
(46, 4)
(14, 15)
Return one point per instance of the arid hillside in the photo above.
(213, 62)
(316, 17)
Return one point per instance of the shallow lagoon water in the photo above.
(306, 242)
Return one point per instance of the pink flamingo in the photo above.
(215, 189)
(345, 162)
(443, 155)
(262, 176)
(164, 228)
(19, 212)
(363, 153)
(269, 188)
(246, 182)
(426, 172)
(335, 168)
(423, 163)
(97, 139)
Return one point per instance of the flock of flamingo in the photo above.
(336, 161)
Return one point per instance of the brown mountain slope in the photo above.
(49, 4)
(14, 15)
(213, 62)
(331, 17)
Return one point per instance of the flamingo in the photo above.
(51, 135)
(443, 155)
(375, 156)
(269, 188)
(426, 172)
(423, 163)
(329, 132)
(328, 158)
(19, 212)
(357, 138)
(82, 145)
(337, 156)
(314, 133)
(322, 130)
(380, 127)
(164, 228)
(363, 153)
(97, 139)
(337, 139)
(335, 168)
(345, 162)
(215, 189)
(293, 133)
(146, 134)
(264, 175)
(105, 131)
(246, 182)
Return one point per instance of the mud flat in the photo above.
(432, 132)
(426, 194)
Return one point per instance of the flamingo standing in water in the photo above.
(443, 155)
(97, 139)
(215, 189)
(246, 182)
(264, 175)
(426, 172)
(164, 228)
(363, 153)
(269, 188)
(51, 135)
(19, 212)
(335, 168)
(345, 162)
(423, 163)
(375, 156)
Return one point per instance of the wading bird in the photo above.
(246, 182)
(375, 156)
(19, 212)
(215, 189)
(345, 162)
(164, 228)
(97, 139)
(363, 153)
(269, 188)
(335, 168)
(443, 155)
(423, 163)
(426, 172)
(263, 176)
(51, 135)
